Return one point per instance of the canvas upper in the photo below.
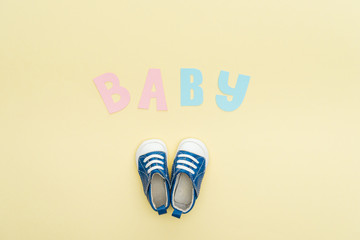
(151, 159)
(187, 174)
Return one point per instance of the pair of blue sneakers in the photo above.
(187, 173)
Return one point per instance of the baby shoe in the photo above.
(187, 173)
(151, 160)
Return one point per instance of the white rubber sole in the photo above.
(138, 151)
(198, 142)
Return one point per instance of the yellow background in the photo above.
(285, 165)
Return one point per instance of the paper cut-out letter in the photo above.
(153, 79)
(237, 93)
(107, 93)
(187, 86)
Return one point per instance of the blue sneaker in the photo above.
(151, 160)
(187, 173)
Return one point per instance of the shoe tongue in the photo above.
(183, 171)
(156, 171)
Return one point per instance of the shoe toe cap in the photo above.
(195, 146)
(152, 145)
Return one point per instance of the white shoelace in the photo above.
(153, 161)
(187, 163)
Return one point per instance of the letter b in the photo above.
(187, 86)
(106, 94)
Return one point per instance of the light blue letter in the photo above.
(238, 93)
(187, 86)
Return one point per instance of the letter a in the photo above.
(153, 79)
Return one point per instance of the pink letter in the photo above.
(106, 94)
(153, 79)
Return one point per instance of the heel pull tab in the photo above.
(161, 210)
(176, 213)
